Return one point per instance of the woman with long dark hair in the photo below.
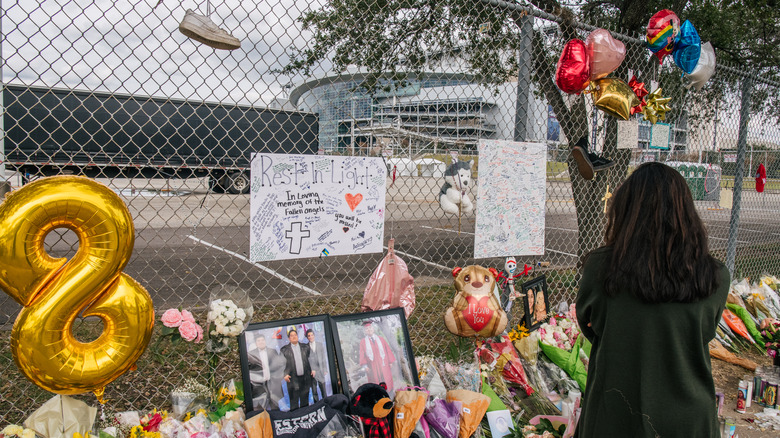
(649, 302)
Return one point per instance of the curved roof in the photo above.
(347, 76)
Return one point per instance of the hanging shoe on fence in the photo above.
(589, 163)
(200, 28)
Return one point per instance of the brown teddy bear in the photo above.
(475, 309)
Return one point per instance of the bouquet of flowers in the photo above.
(770, 330)
(230, 310)
(14, 431)
(190, 396)
(560, 332)
(226, 320)
(177, 325)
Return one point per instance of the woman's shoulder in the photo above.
(724, 273)
(597, 255)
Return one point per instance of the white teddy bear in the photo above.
(457, 179)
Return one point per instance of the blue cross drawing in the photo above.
(296, 236)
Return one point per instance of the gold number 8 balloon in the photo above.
(55, 291)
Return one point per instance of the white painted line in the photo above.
(422, 260)
(268, 270)
(560, 252)
(444, 229)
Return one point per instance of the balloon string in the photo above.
(62, 415)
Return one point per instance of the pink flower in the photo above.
(189, 331)
(187, 316)
(171, 318)
(199, 338)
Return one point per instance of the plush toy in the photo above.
(475, 310)
(454, 192)
(372, 404)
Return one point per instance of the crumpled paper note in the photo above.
(61, 417)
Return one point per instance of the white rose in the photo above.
(213, 333)
(230, 314)
(221, 330)
(240, 314)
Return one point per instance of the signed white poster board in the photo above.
(314, 206)
(628, 134)
(511, 199)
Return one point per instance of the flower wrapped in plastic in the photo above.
(189, 397)
(568, 360)
(509, 363)
(230, 311)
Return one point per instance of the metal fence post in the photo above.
(524, 78)
(744, 115)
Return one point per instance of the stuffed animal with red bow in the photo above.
(475, 309)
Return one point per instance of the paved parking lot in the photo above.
(188, 241)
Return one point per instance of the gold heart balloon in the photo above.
(614, 97)
(657, 107)
(54, 292)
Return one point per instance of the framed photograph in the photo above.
(374, 347)
(287, 364)
(536, 303)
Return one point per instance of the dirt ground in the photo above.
(727, 377)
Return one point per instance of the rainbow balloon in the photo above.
(661, 31)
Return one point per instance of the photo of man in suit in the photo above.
(376, 357)
(297, 373)
(265, 372)
(318, 359)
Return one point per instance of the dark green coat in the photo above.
(650, 373)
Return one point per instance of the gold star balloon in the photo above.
(657, 107)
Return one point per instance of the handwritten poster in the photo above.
(315, 206)
(510, 199)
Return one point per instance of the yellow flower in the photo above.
(29, 433)
(226, 395)
(137, 432)
(12, 429)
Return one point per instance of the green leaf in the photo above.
(167, 331)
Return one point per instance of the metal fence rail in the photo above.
(113, 91)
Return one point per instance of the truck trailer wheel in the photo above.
(237, 183)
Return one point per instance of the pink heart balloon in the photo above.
(604, 52)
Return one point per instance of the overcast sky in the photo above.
(133, 47)
(136, 48)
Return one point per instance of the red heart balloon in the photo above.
(573, 72)
(477, 314)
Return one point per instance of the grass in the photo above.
(748, 183)
(150, 384)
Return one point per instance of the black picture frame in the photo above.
(535, 315)
(274, 393)
(357, 366)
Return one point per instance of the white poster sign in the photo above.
(628, 134)
(314, 206)
(659, 138)
(511, 199)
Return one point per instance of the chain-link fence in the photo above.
(112, 90)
